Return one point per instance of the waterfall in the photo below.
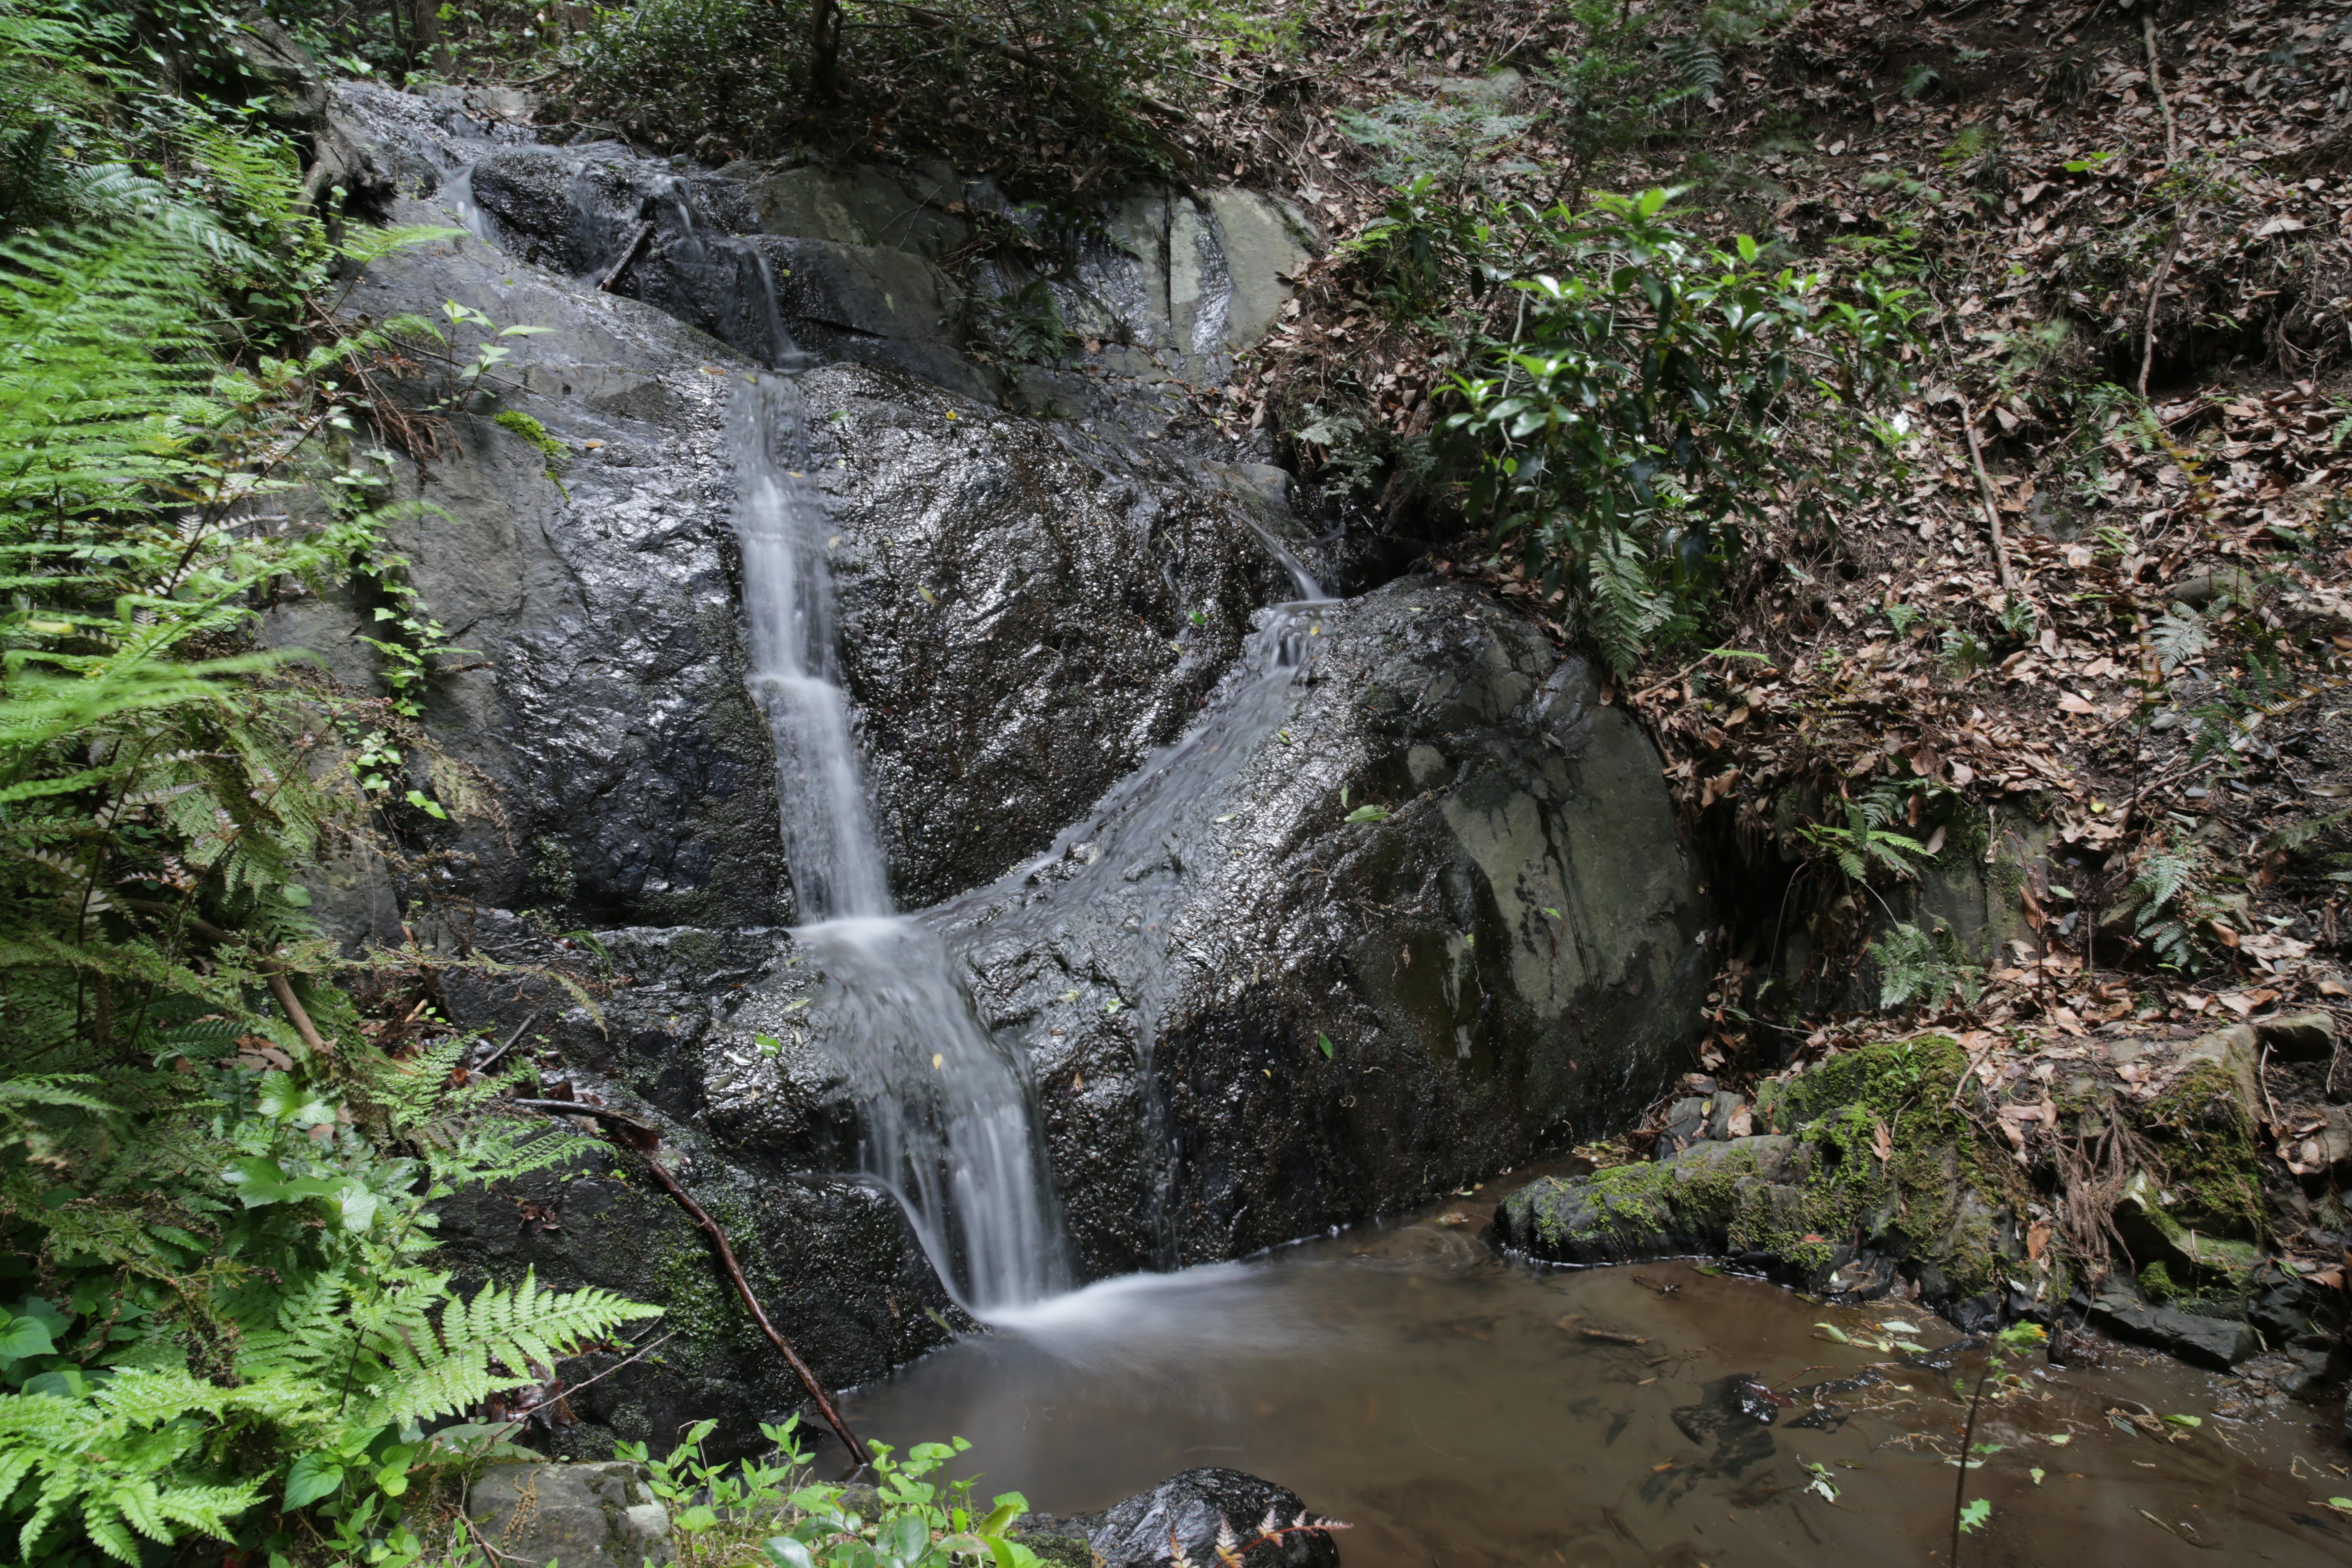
(945, 1113)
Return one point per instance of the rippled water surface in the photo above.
(1453, 1407)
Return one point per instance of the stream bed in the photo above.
(1459, 1407)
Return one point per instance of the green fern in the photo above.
(2178, 638)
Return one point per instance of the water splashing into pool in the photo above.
(946, 1115)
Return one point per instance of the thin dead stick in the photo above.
(628, 253)
(1992, 501)
(858, 1450)
(2156, 86)
(490, 1061)
(272, 969)
(711, 1227)
(2156, 293)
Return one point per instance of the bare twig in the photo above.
(2156, 86)
(519, 1416)
(1992, 501)
(488, 1062)
(628, 253)
(858, 1450)
(2155, 293)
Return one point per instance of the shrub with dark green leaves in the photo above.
(1658, 400)
(1073, 84)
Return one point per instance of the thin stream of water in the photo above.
(946, 1118)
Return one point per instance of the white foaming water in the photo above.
(946, 1120)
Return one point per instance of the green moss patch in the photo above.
(551, 450)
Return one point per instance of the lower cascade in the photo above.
(946, 1116)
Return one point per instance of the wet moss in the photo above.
(551, 450)
(2205, 1138)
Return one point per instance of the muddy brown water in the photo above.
(1451, 1405)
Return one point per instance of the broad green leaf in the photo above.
(26, 1336)
(786, 1553)
(1368, 813)
(314, 1476)
(1975, 1515)
(1323, 1043)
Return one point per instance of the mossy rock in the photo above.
(1871, 1175)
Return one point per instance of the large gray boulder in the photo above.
(580, 554)
(1250, 1017)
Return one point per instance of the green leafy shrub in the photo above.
(769, 1511)
(1068, 83)
(1658, 399)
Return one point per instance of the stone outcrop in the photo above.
(1895, 1168)
(1398, 915)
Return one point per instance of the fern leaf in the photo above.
(2178, 638)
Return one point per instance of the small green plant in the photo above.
(1027, 325)
(2017, 1340)
(2161, 906)
(770, 1510)
(1923, 966)
(551, 451)
(1866, 842)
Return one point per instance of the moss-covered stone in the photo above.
(2204, 1136)
(1871, 1173)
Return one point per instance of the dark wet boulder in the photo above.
(573, 534)
(1195, 1509)
(1027, 610)
(832, 1261)
(2217, 1342)
(1406, 911)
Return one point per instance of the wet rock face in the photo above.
(1250, 1018)
(1028, 609)
(832, 1261)
(600, 213)
(601, 701)
(1026, 614)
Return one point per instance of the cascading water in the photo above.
(945, 1113)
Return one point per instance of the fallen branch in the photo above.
(274, 970)
(2155, 87)
(1991, 500)
(711, 1227)
(2155, 293)
(628, 253)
